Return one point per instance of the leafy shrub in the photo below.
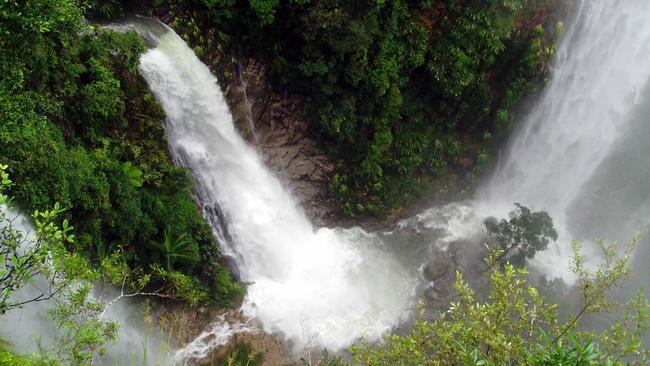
(242, 355)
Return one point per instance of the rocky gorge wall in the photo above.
(274, 122)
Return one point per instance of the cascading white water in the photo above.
(599, 76)
(215, 335)
(322, 285)
(583, 133)
(598, 83)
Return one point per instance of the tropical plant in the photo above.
(27, 258)
(242, 355)
(42, 259)
(134, 174)
(83, 333)
(178, 249)
(79, 127)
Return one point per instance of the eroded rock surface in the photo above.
(276, 124)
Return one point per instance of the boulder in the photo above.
(432, 294)
(438, 266)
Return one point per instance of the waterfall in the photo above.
(329, 286)
(580, 153)
(598, 87)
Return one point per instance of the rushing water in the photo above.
(580, 151)
(321, 285)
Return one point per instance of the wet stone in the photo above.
(437, 267)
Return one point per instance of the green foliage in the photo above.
(83, 332)
(79, 127)
(402, 92)
(182, 286)
(227, 289)
(153, 281)
(24, 259)
(9, 358)
(179, 249)
(572, 354)
(265, 10)
(44, 260)
(522, 235)
(242, 355)
(134, 174)
(512, 324)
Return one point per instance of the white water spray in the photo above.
(599, 79)
(334, 285)
(557, 160)
(214, 336)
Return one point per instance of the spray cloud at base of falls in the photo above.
(327, 285)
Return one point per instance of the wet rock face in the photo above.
(439, 274)
(277, 125)
(438, 266)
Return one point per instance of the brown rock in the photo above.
(277, 125)
(437, 267)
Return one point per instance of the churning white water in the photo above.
(329, 286)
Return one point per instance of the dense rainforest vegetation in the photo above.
(80, 128)
(410, 97)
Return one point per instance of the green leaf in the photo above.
(133, 174)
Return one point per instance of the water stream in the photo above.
(583, 143)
